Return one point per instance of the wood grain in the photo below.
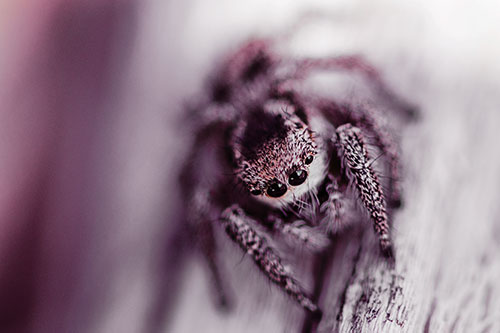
(92, 236)
(447, 272)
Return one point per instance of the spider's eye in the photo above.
(309, 159)
(297, 177)
(276, 189)
(256, 192)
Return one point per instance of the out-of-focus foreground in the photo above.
(91, 97)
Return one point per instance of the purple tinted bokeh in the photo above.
(63, 115)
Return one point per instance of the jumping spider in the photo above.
(270, 160)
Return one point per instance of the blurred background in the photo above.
(91, 98)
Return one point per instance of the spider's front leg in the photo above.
(238, 226)
(333, 208)
(298, 232)
(366, 118)
(357, 164)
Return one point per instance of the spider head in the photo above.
(276, 154)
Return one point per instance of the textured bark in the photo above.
(446, 276)
(447, 238)
(92, 146)
(447, 235)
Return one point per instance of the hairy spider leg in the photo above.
(243, 67)
(357, 63)
(333, 207)
(238, 226)
(366, 118)
(208, 248)
(298, 232)
(197, 179)
(357, 164)
(202, 227)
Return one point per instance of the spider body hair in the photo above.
(267, 155)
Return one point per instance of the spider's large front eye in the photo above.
(297, 177)
(276, 189)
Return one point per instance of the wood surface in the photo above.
(447, 235)
(95, 150)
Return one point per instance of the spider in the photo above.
(269, 160)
